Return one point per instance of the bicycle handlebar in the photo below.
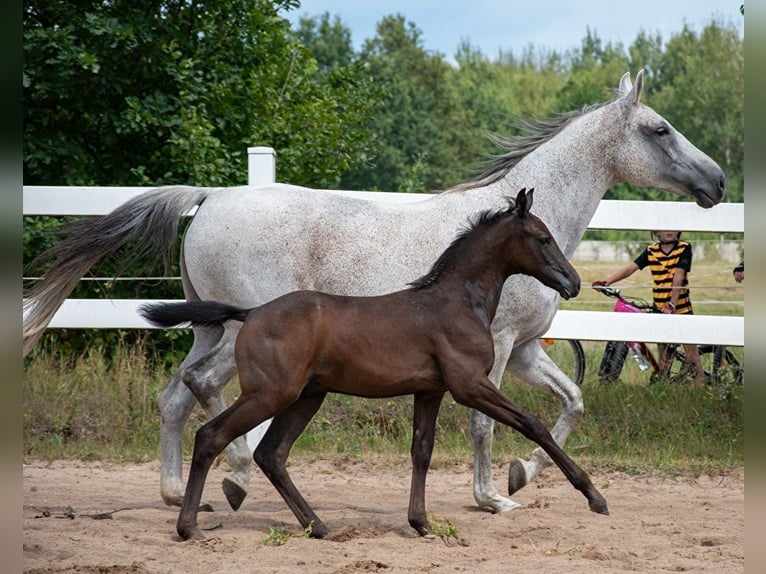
(636, 301)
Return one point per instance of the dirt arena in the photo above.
(108, 519)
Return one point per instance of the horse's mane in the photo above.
(515, 148)
(483, 219)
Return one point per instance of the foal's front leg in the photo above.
(483, 396)
(423, 431)
(533, 366)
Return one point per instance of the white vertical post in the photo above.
(261, 166)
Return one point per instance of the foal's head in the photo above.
(508, 241)
(531, 249)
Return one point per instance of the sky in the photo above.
(512, 25)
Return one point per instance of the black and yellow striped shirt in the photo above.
(663, 267)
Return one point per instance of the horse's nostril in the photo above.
(722, 182)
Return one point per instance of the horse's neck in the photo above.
(570, 174)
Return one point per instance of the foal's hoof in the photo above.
(318, 530)
(234, 493)
(190, 532)
(517, 476)
(599, 506)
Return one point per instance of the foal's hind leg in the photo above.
(532, 365)
(271, 454)
(206, 378)
(243, 415)
(423, 430)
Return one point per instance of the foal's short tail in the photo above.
(198, 313)
(149, 220)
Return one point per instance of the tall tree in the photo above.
(328, 39)
(418, 119)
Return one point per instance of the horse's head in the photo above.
(535, 252)
(654, 154)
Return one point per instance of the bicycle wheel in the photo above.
(612, 361)
(721, 366)
(568, 355)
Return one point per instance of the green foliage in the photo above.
(125, 93)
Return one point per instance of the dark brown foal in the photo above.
(431, 338)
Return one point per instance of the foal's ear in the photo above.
(523, 203)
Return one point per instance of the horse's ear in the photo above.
(523, 203)
(625, 84)
(630, 90)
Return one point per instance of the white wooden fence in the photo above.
(585, 325)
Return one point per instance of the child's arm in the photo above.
(623, 273)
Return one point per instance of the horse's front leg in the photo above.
(426, 409)
(206, 378)
(482, 428)
(532, 364)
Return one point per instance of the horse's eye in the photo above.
(544, 240)
(662, 131)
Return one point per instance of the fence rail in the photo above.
(586, 325)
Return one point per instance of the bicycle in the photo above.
(720, 365)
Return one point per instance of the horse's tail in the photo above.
(198, 313)
(150, 219)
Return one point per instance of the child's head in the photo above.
(667, 236)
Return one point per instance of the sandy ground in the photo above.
(108, 519)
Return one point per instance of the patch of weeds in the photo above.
(276, 537)
(308, 530)
(441, 526)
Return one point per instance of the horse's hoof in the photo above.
(517, 476)
(234, 493)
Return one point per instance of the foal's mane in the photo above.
(516, 147)
(480, 221)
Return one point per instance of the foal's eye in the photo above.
(544, 240)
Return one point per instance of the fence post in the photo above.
(261, 166)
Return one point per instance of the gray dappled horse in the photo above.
(432, 338)
(246, 246)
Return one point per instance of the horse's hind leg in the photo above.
(176, 402)
(206, 378)
(271, 455)
(423, 430)
(532, 365)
